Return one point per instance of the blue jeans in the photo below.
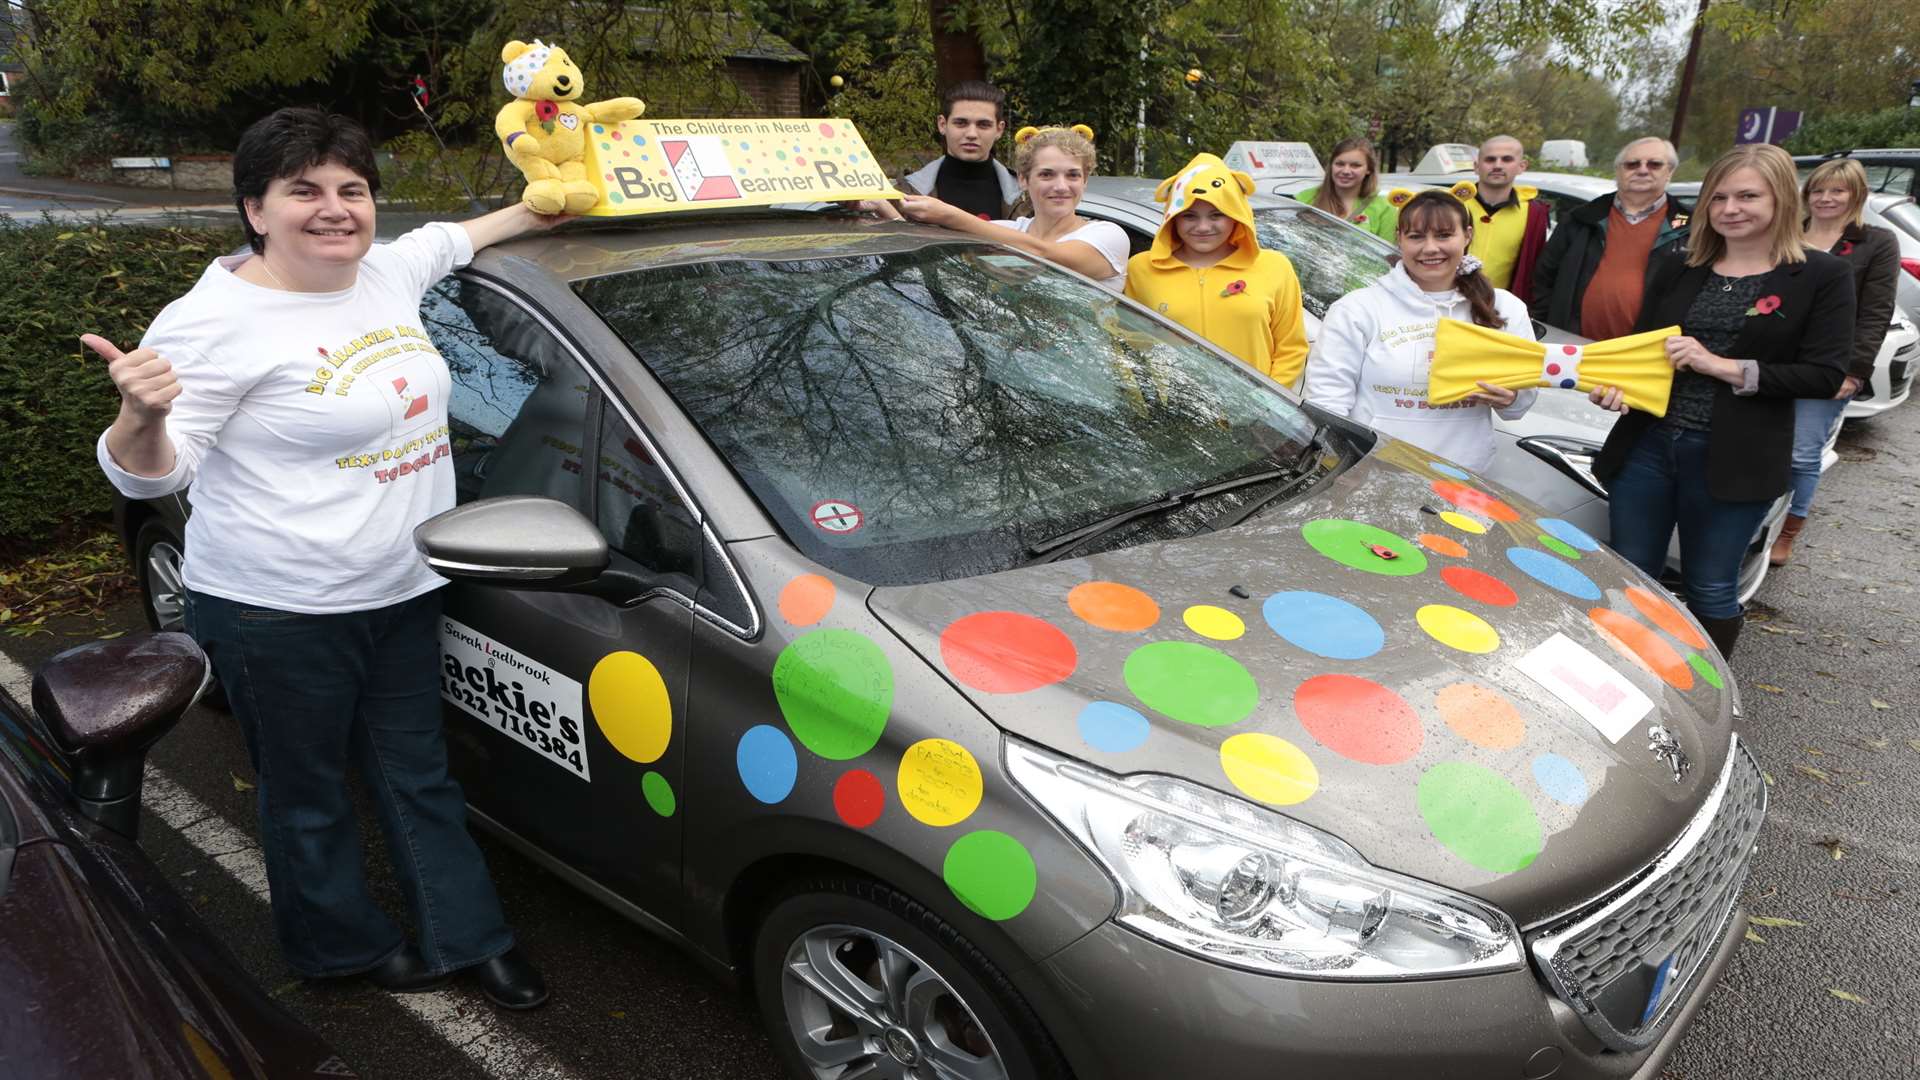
(1813, 422)
(318, 695)
(1663, 484)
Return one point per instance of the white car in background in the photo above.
(1546, 455)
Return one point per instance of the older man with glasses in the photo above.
(1592, 276)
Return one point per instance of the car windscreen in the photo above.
(1331, 258)
(946, 411)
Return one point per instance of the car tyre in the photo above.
(849, 971)
(157, 556)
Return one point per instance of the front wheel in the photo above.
(856, 979)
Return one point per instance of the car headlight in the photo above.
(1238, 884)
(1572, 456)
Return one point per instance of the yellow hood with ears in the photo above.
(1207, 179)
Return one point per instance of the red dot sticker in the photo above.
(1358, 719)
(1475, 585)
(1005, 652)
(1478, 502)
(858, 798)
(1553, 369)
(1569, 349)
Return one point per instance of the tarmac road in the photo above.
(1832, 638)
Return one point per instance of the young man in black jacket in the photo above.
(1594, 272)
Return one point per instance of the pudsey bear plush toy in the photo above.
(545, 127)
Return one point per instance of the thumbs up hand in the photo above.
(144, 378)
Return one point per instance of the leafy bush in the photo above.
(64, 280)
(1898, 126)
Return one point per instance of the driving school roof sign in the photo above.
(1273, 160)
(650, 166)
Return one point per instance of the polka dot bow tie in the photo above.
(1466, 353)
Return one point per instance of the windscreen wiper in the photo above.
(1302, 472)
(1053, 547)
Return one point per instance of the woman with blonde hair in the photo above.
(1764, 322)
(1351, 190)
(1831, 201)
(1052, 165)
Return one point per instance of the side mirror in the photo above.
(519, 541)
(107, 703)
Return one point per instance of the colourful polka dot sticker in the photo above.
(1481, 715)
(1553, 573)
(1112, 727)
(1113, 606)
(858, 798)
(1457, 628)
(1560, 779)
(1324, 625)
(1479, 815)
(806, 599)
(631, 705)
(835, 688)
(1269, 769)
(992, 873)
(1213, 622)
(1441, 545)
(1359, 719)
(1663, 614)
(1005, 652)
(1558, 547)
(1192, 683)
(1462, 522)
(1447, 470)
(940, 782)
(1568, 533)
(1649, 650)
(1704, 668)
(1364, 547)
(1475, 585)
(658, 793)
(767, 763)
(1474, 501)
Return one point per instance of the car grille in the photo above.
(1627, 963)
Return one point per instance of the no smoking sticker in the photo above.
(835, 516)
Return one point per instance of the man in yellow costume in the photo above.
(1509, 223)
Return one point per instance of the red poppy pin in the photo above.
(1766, 305)
(1235, 289)
(1359, 219)
(1846, 247)
(545, 111)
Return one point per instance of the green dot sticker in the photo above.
(835, 689)
(1704, 668)
(659, 793)
(1364, 547)
(1192, 683)
(1558, 547)
(992, 873)
(1480, 816)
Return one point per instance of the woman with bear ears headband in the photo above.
(1052, 165)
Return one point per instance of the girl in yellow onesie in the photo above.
(1207, 272)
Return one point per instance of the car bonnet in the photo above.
(1401, 658)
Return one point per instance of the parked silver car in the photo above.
(1005, 684)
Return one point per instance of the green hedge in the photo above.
(61, 280)
(1895, 127)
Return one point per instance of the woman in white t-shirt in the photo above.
(277, 387)
(1052, 166)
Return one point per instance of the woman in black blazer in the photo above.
(1831, 201)
(1764, 321)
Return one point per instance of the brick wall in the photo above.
(774, 87)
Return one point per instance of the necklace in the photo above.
(276, 277)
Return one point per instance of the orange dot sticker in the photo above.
(1633, 640)
(1440, 545)
(1110, 605)
(1664, 615)
(1481, 715)
(1474, 501)
(806, 599)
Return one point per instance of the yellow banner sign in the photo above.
(650, 166)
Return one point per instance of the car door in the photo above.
(563, 705)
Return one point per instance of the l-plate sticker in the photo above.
(1589, 685)
(532, 704)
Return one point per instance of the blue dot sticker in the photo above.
(1553, 573)
(1445, 469)
(1568, 533)
(598, 130)
(1560, 779)
(1324, 625)
(1112, 727)
(767, 763)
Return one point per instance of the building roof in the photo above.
(736, 36)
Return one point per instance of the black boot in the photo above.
(1723, 633)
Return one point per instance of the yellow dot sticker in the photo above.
(1213, 622)
(1458, 629)
(940, 783)
(1269, 768)
(631, 705)
(1462, 522)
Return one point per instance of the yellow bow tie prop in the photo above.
(1465, 353)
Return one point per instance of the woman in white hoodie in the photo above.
(1376, 345)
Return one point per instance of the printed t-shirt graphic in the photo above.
(701, 167)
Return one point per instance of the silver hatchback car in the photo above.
(1002, 683)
